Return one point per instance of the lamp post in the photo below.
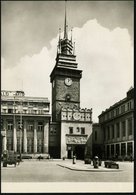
(14, 125)
(20, 132)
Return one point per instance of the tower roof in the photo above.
(65, 45)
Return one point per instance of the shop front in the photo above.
(76, 145)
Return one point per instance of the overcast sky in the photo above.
(102, 30)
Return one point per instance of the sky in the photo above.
(103, 35)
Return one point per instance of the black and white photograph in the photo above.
(67, 96)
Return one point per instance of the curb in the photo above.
(90, 170)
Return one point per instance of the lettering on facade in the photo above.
(76, 140)
(12, 93)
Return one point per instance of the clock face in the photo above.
(76, 115)
(68, 81)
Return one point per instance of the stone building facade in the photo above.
(117, 126)
(25, 123)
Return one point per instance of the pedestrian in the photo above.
(131, 158)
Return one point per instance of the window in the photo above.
(122, 108)
(118, 130)
(78, 130)
(112, 129)
(70, 130)
(117, 111)
(95, 136)
(112, 150)
(40, 111)
(112, 113)
(10, 111)
(34, 111)
(128, 105)
(117, 149)
(40, 126)
(123, 128)
(123, 149)
(130, 126)
(30, 111)
(105, 116)
(129, 148)
(108, 132)
(10, 125)
(30, 127)
(25, 111)
(104, 133)
(82, 130)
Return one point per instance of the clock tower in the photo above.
(71, 126)
(65, 77)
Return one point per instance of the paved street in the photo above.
(49, 171)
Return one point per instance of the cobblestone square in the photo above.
(35, 171)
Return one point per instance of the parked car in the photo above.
(26, 157)
(9, 157)
(111, 164)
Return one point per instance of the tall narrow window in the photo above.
(40, 126)
(123, 128)
(78, 129)
(122, 108)
(82, 130)
(117, 111)
(118, 130)
(70, 130)
(10, 111)
(10, 125)
(130, 126)
(112, 113)
(30, 127)
(112, 127)
(108, 132)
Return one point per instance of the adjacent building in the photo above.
(117, 128)
(24, 122)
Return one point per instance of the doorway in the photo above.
(79, 151)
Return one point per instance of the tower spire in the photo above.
(65, 22)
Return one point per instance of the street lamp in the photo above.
(20, 132)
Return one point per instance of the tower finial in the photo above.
(65, 22)
(71, 34)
